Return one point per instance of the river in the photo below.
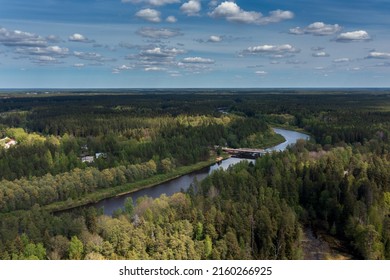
(183, 183)
(315, 246)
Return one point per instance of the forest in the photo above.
(76, 145)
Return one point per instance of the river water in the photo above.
(183, 183)
(314, 247)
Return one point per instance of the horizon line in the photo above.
(190, 88)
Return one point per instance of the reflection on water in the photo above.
(184, 182)
(290, 136)
(169, 188)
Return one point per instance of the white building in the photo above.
(8, 142)
(88, 159)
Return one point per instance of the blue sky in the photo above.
(194, 43)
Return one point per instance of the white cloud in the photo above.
(379, 55)
(87, 55)
(21, 39)
(44, 51)
(154, 68)
(191, 8)
(320, 54)
(353, 36)
(277, 50)
(91, 56)
(232, 12)
(121, 68)
(76, 37)
(296, 31)
(124, 67)
(152, 2)
(197, 60)
(171, 19)
(320, 28)
(57, 50)
(45, 59)
(261, 73)
(32, 46)
(317, 28)
(150, 15)
(162, 52)
(215, 39)
(341, 60)
(277, 16)
(196, 65)
(161, 57)
(79, 65)
(158, 33)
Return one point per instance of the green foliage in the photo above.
(338, 183)
(17, 133)
(76, 249)
(386, 197)
(23, 193)
(208, 247)
(129, 206)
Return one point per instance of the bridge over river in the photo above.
(244, 152)
(184, 182)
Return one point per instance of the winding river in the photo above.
(183, 183)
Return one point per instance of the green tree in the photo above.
(208, 246)
(76, 249)
(129, 206)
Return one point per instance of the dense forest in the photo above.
(338, 182)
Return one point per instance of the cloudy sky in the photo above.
(194, 43)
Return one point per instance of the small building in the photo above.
(91, 159)
(100, 155)
(88, 159)
(8, 142)
(11, 143)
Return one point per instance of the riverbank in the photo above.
(155, 180)
(290, 127)
(129, 188)
(264, 140)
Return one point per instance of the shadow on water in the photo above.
(169, 188)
